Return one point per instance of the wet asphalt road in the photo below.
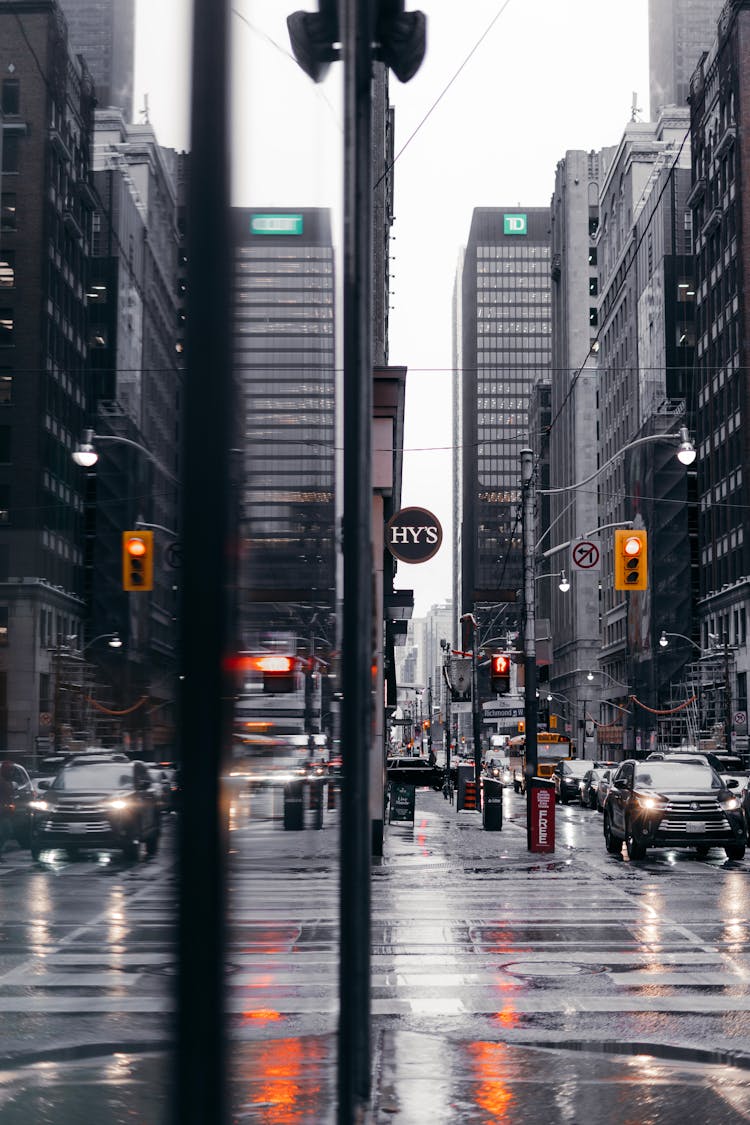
(577, 987)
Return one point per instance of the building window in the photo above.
(593, 287)
(593, 317)
(592, 256)
(6, 387)
(3, 625)
(6, 327)
(11, 97)
(11, 149)
(7, 269)
(8, 211)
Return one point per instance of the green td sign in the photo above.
(514, 224)
(276, 224)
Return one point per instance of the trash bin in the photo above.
(294, 809)
(316, 802)
(492, 805)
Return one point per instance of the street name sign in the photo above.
(497, 711)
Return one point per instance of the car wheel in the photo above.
(612, 843)
(132, 850)
(635, 848)
(702, 850)
(563, 798)
(735, 851)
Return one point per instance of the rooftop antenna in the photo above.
(144, 111)
(635, 109)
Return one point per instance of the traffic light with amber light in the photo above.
(500, 673)
(137, 560)
(631, 560)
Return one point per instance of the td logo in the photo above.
(514, 224)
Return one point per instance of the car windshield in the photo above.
(94, 775)
(676, 775)
(577, 769)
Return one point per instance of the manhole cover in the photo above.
(547, 969)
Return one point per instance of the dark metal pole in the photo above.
(206, 580)
(357, 632)
(476, 721)
(531, 704)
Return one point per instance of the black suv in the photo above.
(97, 801)
(668, 804)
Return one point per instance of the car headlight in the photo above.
(650, 804)
(39, 805)
(730, 803)
(119, 803)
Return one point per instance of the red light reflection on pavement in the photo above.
(262, 1015)
(282, 1081)
(491, 1064)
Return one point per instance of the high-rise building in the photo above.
(720, 201)
(103, 31)
(679, 31)
(285, 368)
(45, 228)
(574, 614)
(645, 358)
(504, 351)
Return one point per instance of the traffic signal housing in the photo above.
(631, 560)
(500, 673)
(137, 561)
(279, 673)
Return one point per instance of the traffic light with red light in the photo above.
(279, 673)
(631, 560)
(137, 561)
(500, 673)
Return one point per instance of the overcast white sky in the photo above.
(543, 78)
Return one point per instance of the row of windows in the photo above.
(296, 268)
(514, 328)
(514, 251)
(297, 252)
(283, 327)
(273, 283)
(510, 270)
(512, 295)
(528, 356)
(501, 404)
(497, 312)
(274, 312)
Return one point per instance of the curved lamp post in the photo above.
(85, 453)
(664, 640)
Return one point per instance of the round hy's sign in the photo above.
(413, 535)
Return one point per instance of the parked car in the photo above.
(161, 779)
(414, 771)
(603, 787)
(667, 804)
(97, 801)
(24, 792)
(589, 786)
(567, 776)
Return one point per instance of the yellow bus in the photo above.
(551, 748)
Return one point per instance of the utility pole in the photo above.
(531, 704)
(470, 621)
(727, 699)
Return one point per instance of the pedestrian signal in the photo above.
(500, 673)
(137, 561)
(631, 560)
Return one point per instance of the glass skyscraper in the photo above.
(504, 351)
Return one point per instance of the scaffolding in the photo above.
(697, 704)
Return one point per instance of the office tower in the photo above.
(44, 383)
(720, 201)
(679, 31)
(136, 361)
(504, 351)
(645, 358)
(573, 449)
(103, 31)
(284, 363)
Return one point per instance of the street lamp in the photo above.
(85, 453)
(686, 454)
(664, 640)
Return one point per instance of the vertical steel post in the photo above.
(476, 712)
(206, 579)
(357, 631)
(531, 705)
